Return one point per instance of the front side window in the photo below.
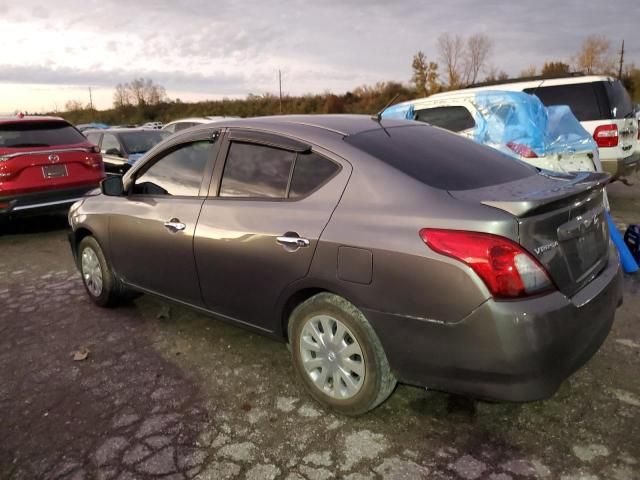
(94, 138)
(454, 118)
(179, 173)
(111, 145)
(254, 171)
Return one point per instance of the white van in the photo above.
(603, 107)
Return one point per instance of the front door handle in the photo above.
(174, 225)
(292, 241)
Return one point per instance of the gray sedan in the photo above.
(380, 250)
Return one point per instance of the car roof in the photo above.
(547, 82)
(336, 124)
(120, 130)
(29, 118)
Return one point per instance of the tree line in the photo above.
(459, 62)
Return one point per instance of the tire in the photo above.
(337, 355)
(93, 264)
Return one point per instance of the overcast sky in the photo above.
(52, 51)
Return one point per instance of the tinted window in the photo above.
(580, 97)
(177, 173)
(39, 134)
(439, 158)
(142, 141)
(455, 119)
(256, 171)
(310, 171)
(619, 99)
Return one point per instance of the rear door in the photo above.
(269, 203)
(151, 229)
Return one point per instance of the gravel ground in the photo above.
(151, 390)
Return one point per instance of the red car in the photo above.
(45, 163)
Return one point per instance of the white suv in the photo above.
(603, 107)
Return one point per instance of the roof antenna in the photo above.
(378, 116)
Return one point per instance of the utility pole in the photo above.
(90, 99)
(621, 60)
(280, 86)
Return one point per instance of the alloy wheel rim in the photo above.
(332, 357)
(91, 271)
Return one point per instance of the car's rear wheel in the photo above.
(99, 281)
(338, 356)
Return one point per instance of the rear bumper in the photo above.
(622, 167)
(41, 201)
(509, 351)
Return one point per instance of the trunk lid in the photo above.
(561, 221)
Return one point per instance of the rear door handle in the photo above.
(174, 225)
(292, 241)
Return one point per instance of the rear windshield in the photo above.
(142, 141)
(582, 98)
(38, 134)
(621, 104)
(440, 159)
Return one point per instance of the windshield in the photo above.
(142, 141)
(39, 134)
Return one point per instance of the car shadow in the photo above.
(34, 224)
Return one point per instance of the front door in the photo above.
(259, 228)
(152, 229)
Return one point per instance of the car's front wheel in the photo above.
(99, 281)
(338, 356)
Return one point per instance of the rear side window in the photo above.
(440, 159)
(619, 100)
(582, 98)
(310, 172)
(256, 171)
(39, 134)
(455, 118)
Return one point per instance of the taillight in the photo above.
(8, 168)
(506, 268)
(522, 150)
(606, 135)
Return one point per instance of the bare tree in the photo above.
(425, 74)
(595, 55)
(73, 106)
(451, 53)
(530, 71)
(479, 47)
(121, 96)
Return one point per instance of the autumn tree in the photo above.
(551, 69)
(451, 53)
(333, 104)
(595, 55)
(476, 55)
(141, 92)
(425, 75)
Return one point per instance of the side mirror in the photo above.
(112, 186)
(113, 151)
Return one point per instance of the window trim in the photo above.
(216, 182)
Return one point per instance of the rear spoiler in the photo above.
(9, 156)
(524, 196)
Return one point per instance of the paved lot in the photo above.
(167, 393)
